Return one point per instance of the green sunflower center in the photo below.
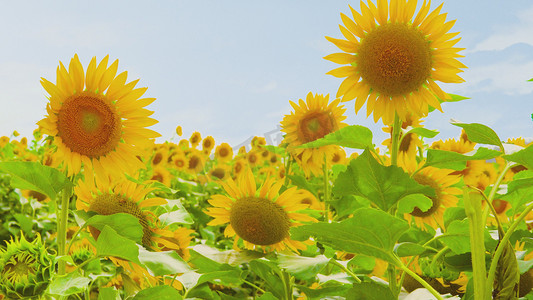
(19, 267)
(89, 125)
(259, 221)
(108, 204)
(426, 180)
(315, 125)
(394, 59)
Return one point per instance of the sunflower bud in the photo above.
(25, 268)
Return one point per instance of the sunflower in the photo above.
(223, 152)
(161, 174)
(394, 59)
(180, 161)
(160, 156)
(106, 198)
(238, 167)
(220, 172)
(208, 144)
(195, 139)
(97, 119)
(254, 158)
(179, 130)
(312, 119)
(196, 161)
(442, 181)
(261, 218)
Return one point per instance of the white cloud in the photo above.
(509, 35)
(508, 77)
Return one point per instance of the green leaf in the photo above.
(457, 161)
(108, 293)
(369, 291)
(228, 277)
(452, 214)
(161, 292)
(302, 267)
(408, 249)
(325, 292)
(266, 270)
(354, 136)
(230, 257)
(523, 157)
(362, 264)
(163, 263)
(423, 132)
(276, 149)
(454, 98)
(25, 223)
(370, 232)
(383, 186)
(176, 213)
(409, 202)
(481, 134)
(457, 236)
(30, 175)
(267, 296)
(531, 79)
(507, 274)
(71, 283)
(124, 224)
(110, 243)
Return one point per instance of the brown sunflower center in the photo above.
(315, 125)
(194, 161)
(394, 59)
(108, 204)
(426, 180)
(218, 173)
(223, 152)
(89, 125)
(158, 157)
(259, 221)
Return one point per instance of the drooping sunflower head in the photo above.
(394, 58)
(106, 198)
(311, 120)
(196, 160)
(260, 217)
(97, 119)
(26, 268)
(442, 181)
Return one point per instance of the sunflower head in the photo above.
(311, 120)
(25, 268)
(261, 217)
(195, 139)
(394, 57)
(96, 119)
(223, 152)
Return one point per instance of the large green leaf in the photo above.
(124, 224)
(230, 257)
(423, 132)
(354, 136)
(110, 243)
(161, 292)
(370, 232)
(523, 157)
(481, 134)
(325, 292)
(369, 291)
(457, 161)
(266, 270)
(163, 263)
(108, 293)
(302, 267)
(213, 271)
(176, 213)
(507, 275)
(30, 175)
(383, 186)
(409, 202)
(71, 283)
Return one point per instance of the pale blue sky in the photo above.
(229, 68)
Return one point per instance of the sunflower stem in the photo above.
(477, 243)
(345, 269)
(395, 143)
(326, 189)
(422, 282)
(62, 232)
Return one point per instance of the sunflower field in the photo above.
(91, 207)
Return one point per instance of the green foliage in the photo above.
(481, 134)
(110, 243)
(370, 232)
(457, 161)
(302, 267)
(163, 263)
(354, 136)
(34, 176)
(523, 157)
(162, 292)
(69, 284)
(124, 225)
(369, 291)
(383, 186)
